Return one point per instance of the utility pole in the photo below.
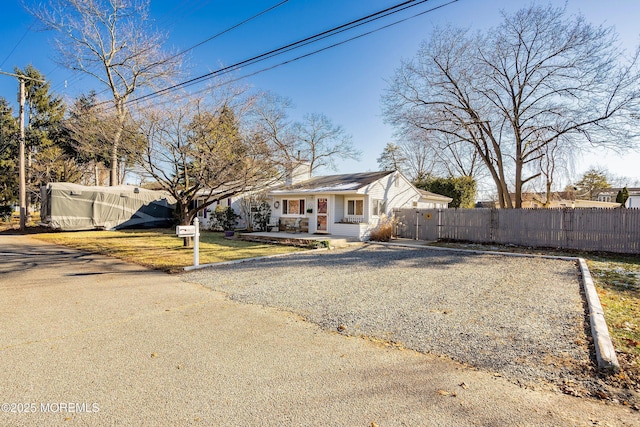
(23, 172)
(23, 181)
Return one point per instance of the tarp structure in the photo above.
(77, 207)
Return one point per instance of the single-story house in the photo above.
(610, 194)
(347, 204)
(563, 199)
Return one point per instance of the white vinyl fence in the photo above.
(608, 230)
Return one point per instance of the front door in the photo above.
(322, 215)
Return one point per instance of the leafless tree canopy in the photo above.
(114, 42)
(314, 139)
(541, 78)
(204, 148)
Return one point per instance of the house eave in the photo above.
(312, 192)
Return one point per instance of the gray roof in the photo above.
(333, 183)
(613, 191)
(434, 196)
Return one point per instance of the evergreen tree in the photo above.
(8, 155)
(47, 161)
(461, 189)
(591, 183)
(622, 197)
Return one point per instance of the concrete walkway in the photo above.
(91, 341)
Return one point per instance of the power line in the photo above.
(231, 28)
(18, 43)
(289, 61)
(277, 51)
(300, 43)
(77, 76)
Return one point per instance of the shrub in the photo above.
(225, 218)
(384, 231)
(262, 216)
(5, 213)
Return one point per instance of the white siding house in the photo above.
(610, 194)
(348, 204)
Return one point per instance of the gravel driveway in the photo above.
(522, 318)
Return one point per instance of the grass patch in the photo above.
(162, 249)
(13, 224)
(617, 281)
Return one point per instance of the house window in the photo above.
(355, 207)
(293, 207)
(378, 207)
(203, 212)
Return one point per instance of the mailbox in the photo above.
(186, 230)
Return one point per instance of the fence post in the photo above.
(493, 224)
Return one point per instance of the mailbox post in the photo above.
(196, 242)
(192, 231)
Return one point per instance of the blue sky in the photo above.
(345, 82)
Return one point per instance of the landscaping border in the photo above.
(605, 352)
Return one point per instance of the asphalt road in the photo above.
(92, 341)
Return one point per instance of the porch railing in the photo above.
(353, 220)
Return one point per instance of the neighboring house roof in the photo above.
(345, 183)
(428, 195)
(633, 191)
(561, 199)
(553, 196)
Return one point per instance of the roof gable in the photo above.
(428, 195)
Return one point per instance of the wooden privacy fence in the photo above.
(608, 230)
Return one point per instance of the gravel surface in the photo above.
(522, 318)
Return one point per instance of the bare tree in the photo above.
(89, 127)
(539, 78)
(320, 142)
(392, 158)
(439, 154)
(554, 160)
(314, 139)
(272, 124)
(201, 149)
(112, 41)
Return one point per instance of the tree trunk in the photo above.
(518, 189)
(184, 219)
(547, 203)
(113, 176)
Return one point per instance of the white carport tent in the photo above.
(72, 207)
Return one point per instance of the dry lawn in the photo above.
(161, 248)
(617, 280)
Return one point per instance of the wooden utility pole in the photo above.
(23, 181)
